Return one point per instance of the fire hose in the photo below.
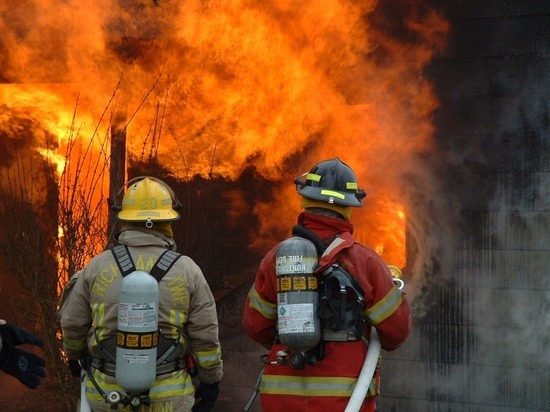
(369, 365)
(365, 377)
(84, 405)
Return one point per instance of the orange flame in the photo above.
(220, 86)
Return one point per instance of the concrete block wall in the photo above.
(484, 343)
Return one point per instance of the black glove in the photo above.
(13, 336)
(25, 366)
(207, 394)
(76, 366)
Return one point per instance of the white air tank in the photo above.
(137, 335)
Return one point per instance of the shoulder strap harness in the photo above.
(106, 348)
(126, 265)
(341, 296)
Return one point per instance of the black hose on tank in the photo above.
(301, 231)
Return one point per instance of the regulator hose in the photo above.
(367, 372)
(302, 231)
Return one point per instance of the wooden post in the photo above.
(117, 176)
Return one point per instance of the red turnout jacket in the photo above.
(328, 384)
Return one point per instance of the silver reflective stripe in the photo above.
(167, 260)
(123, 259)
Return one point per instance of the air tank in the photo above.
(297, 294)
(137, 332)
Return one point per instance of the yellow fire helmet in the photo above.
(148, 199)
(397, 276)
(395, 271)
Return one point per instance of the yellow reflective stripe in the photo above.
(373, 390)
(351, 185)
(207, 358)
(98, 315)
(176, 385)
(267, 309)
(333, 193)
(76, 345)
(307, 386)
(384, 307)
(312, 386)
(314, 177)
(177, 317)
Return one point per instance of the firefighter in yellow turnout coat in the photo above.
(187, 316)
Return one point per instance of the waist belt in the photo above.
(170, 356)
(109, 368)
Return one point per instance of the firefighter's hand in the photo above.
(13, 336)
(25, 366)
(207, 395)
(75, 368)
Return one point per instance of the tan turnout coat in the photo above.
(185, 303)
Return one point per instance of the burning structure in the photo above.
(441, 109)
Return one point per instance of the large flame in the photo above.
(220, 86)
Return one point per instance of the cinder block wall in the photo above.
(483, 343)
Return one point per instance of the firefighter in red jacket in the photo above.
(323, 378)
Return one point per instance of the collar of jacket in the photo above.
(325, 227)
(341, 242)
(138, 236)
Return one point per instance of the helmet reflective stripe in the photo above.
(385, 306)
(149, 213)
(313, 176)
(333, 193)
(351, 185)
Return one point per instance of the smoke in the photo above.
(481, 323)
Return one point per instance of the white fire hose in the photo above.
(369, 366)
(84, 406)
(367, 372)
